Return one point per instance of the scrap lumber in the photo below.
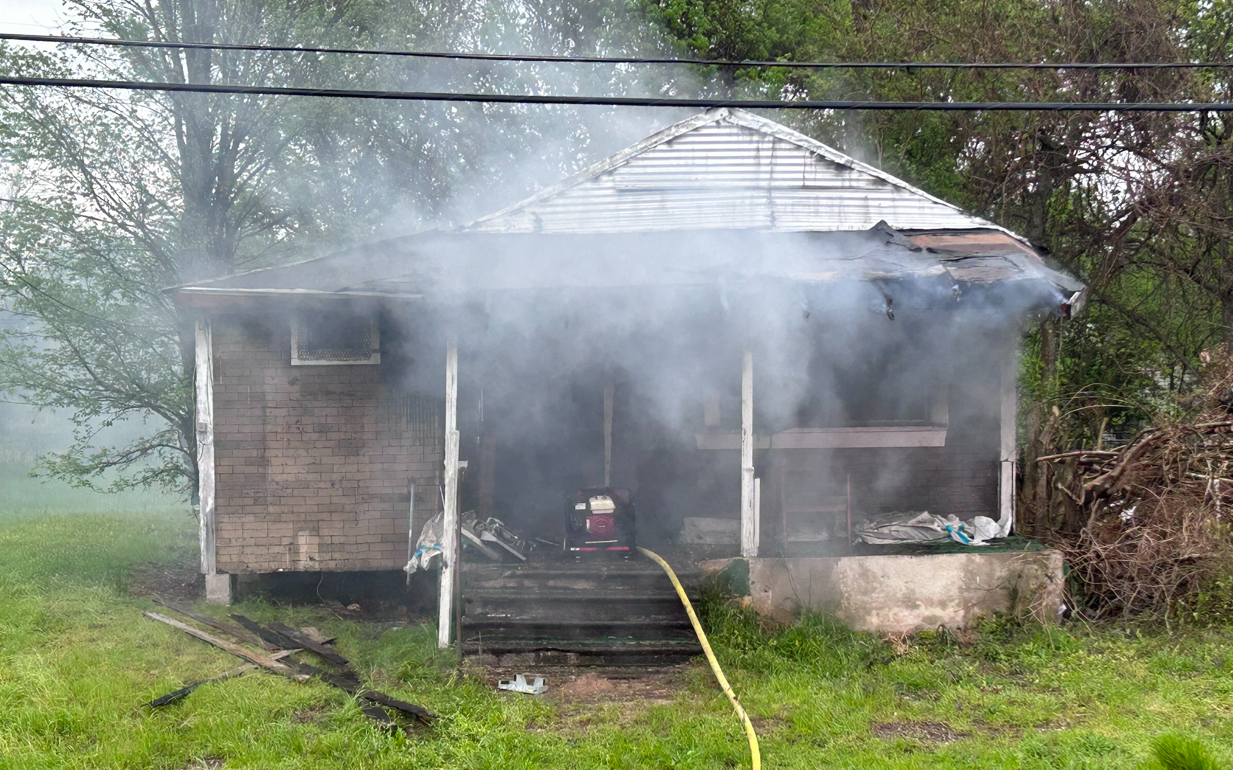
(311, 645)
(216, 624)
(268, 662)
(270, 637)
(188, 689)
(352, 687)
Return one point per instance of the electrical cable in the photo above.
(617, 101)
(566, 59)
(755, 756)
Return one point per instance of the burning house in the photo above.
(770, 347)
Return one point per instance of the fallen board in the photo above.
(187, 690)
(353, 687)
(300, 672)
(268, 636)
(303, 641)
(269, 663)
(216, 624)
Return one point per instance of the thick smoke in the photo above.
(665, 320)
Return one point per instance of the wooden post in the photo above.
(608, 393)
(749, 523)
(203, 376)
(1006, 466)
(757, 538)
(449, 520)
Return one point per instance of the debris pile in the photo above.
(274, 646)
(1153, 513)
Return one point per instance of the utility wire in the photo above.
(502, 57)
(619, 101)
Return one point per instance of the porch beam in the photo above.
(1007, 455)
(449, 520)
(749, 511)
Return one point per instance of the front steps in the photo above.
(588, 613)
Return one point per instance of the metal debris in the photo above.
(519, 684)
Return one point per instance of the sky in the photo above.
(31, 16)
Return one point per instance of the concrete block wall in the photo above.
(314, 464)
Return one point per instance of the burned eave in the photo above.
(448, 267)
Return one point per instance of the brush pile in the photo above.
(1153, 514)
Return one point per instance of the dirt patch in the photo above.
(206, 763)
(308, 716)
(176, 581)
(925, 732)
(576, 691)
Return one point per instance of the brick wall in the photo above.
(313, 463)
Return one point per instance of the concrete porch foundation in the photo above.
(220, 588)
(899, 593)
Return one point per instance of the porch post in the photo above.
(1007, 456)
(749, 512)
(449, 520)
(608, 393)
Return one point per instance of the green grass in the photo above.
(77, 659)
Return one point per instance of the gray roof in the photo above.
(724, 197)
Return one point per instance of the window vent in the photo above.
(325, 338)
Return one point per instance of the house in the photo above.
(767, 341)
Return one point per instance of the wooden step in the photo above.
(522, 653)
(530, 629)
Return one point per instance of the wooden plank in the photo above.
(749, 527)
(268, 636)
(352, 686)
(269, 663)
(829, 438)
(218, 625)
(449, 536)
(758, 510)
(203, 375)
(308, 644)
(187, 690)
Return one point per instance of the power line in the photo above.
(618, 101)
(543, 58)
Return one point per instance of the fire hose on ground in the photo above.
(755, 756)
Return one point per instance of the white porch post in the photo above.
(1007, 456)
(218, 587)
(749, 511)
(449, 536)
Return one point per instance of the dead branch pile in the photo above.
(1154, 511)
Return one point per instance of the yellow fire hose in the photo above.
(754, 755)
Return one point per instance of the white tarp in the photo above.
(923, 527)
(428, 547)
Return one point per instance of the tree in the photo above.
(112, 197)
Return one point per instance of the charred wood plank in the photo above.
(304, 642)
(218, 625)
(187, 690)
(268, 662)
(352, 687)
(267, 635)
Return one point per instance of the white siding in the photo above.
(733, 171)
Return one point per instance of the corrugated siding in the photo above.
(724, 175)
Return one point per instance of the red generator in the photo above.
(599, 519)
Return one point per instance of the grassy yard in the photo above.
(77, 660)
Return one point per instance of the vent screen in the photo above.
(335, 338)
